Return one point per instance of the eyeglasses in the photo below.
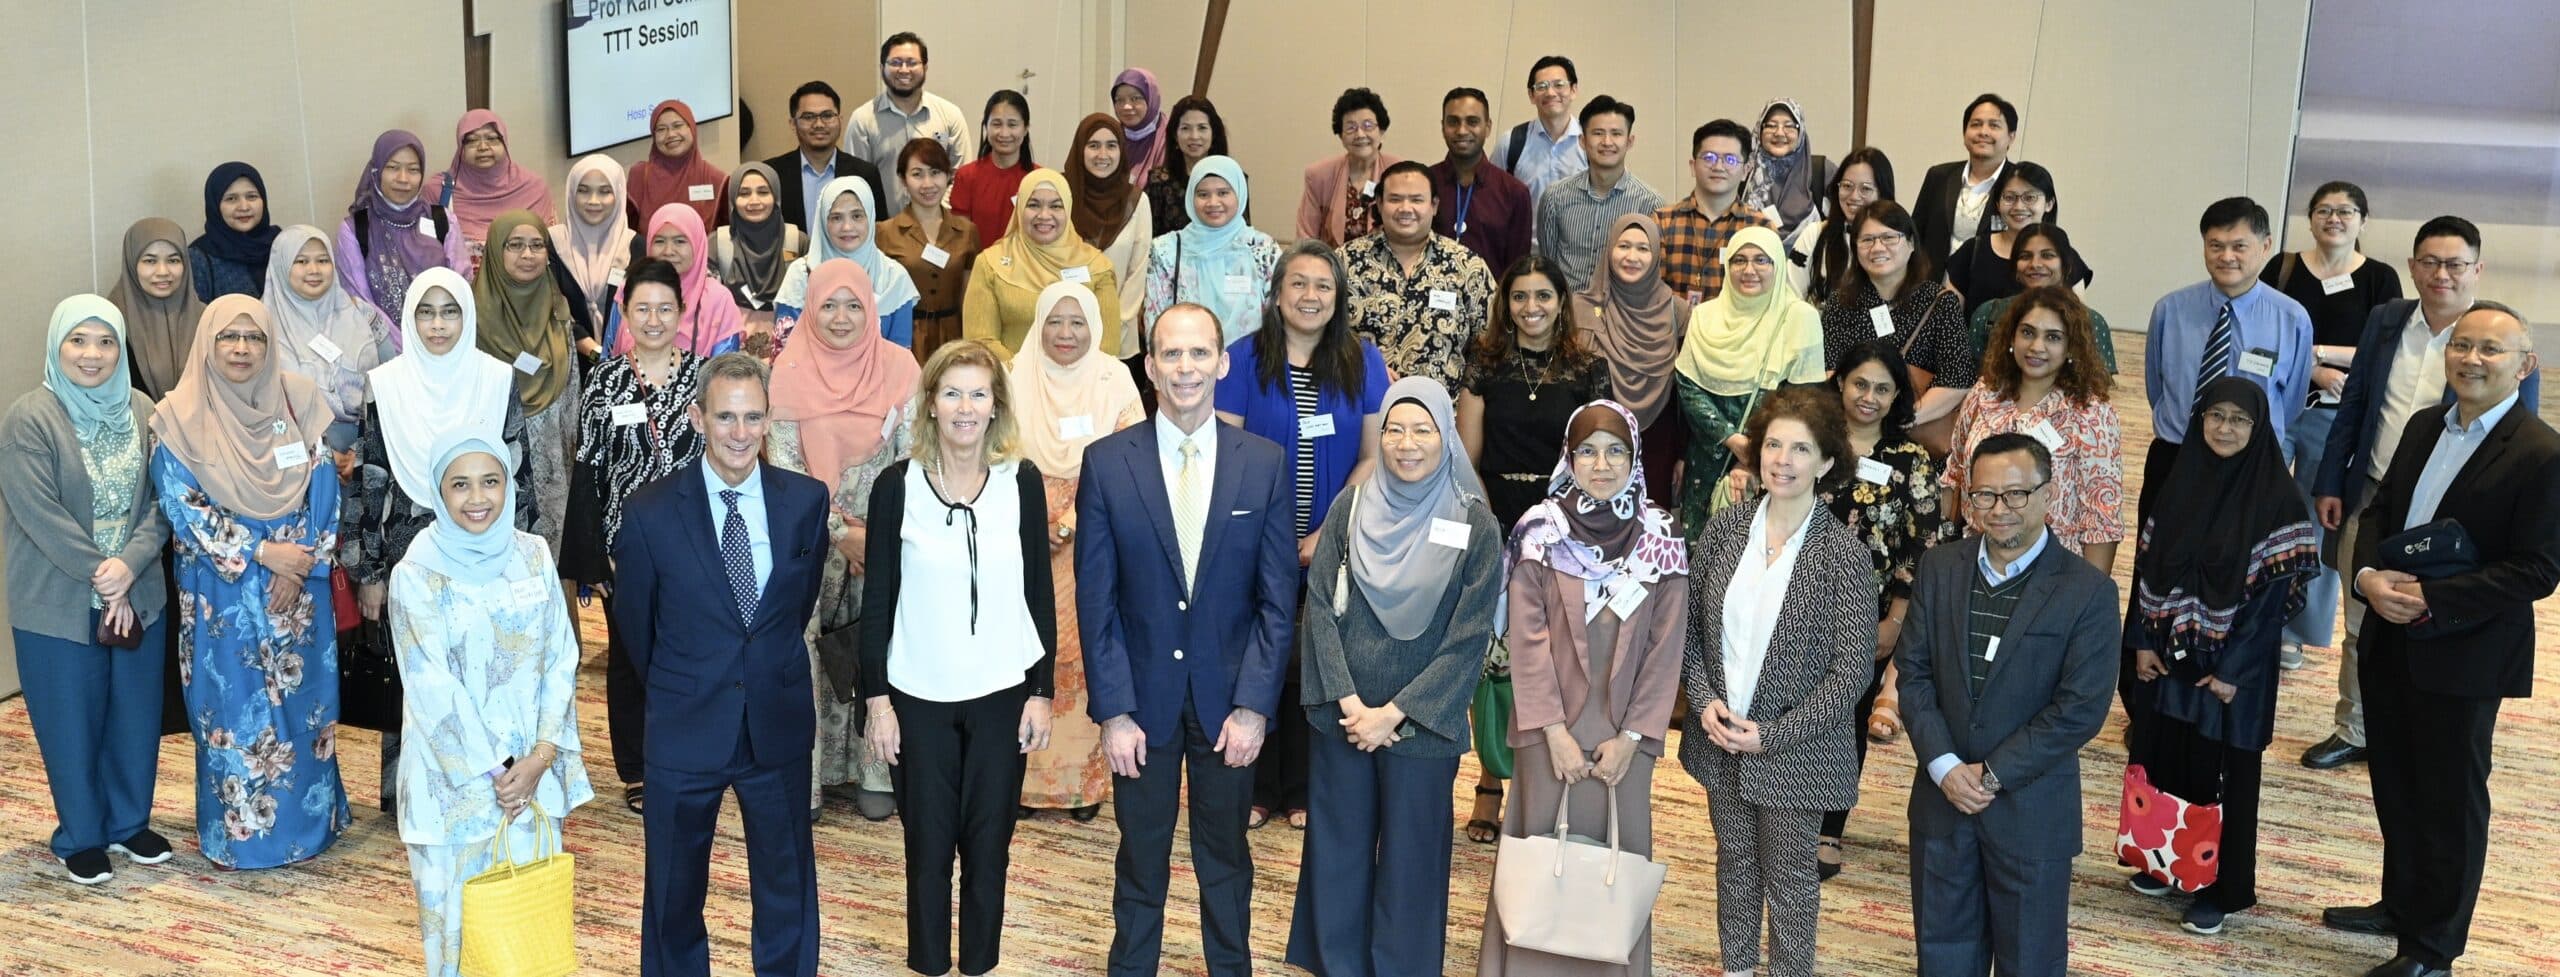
(449, 313)
(240, 339)
(1886, 239)
(1364, 125)
(1728, 160)
(1615, 454)
(2465, 347)
(2231, 418)
(1781, 124)
(2015, 498)
(1544, 87)
(904, 64)
(1750, 261)
(814, 118)
(2335, 213)
(2021, 198)
(526, 247)
(2430, 266)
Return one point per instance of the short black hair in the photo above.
(2008, 112)
(2448, 226)
(2234, 210)
(1720, 127)
(647, 270)
(1353, 100)
(923, 53)
(1414, 167)
(809, 88)
(2001, 444)
(1463, 91)
(1604, 105)
(1571, 77)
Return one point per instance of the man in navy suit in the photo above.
(1187, 584)
(716, 574)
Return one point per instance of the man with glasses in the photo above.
(1695, 230)
(904, 112)
(1574, 212)
(2444, 645)
(1546, 149)
(2399, 368)
(817, 119)
(2006, 661)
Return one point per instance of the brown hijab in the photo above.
(1102, 203)
(1637, 327)
(158, 332)
(227, 434)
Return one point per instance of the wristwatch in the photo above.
(1631, 735)
(1990, 781)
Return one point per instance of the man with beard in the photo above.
(903, 112)
(1485, 208)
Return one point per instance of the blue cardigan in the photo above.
(1272, 412)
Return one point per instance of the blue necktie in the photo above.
(2217, 351)
(739, 557)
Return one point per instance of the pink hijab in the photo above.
(843, 399)
(711, 314)
(479, 195)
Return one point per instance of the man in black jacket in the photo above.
(817, 117)
(1955, 198)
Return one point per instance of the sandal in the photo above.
(631, 796)
(1884, 725)
(1825, 870)
(1483, 831)
(1257, 817)
(1298, 818)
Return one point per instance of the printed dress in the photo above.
(261, 689)
(841, 757)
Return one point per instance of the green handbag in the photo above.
(1492, 723)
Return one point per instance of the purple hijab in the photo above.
(395, 248)
(1143, 148)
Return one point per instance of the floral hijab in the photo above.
(1596, 539)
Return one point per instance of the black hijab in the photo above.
(2239, 524)
(240, 247)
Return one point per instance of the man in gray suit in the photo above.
(2008, 666)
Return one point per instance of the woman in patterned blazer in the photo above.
(1769, 735)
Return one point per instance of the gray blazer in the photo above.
(2049, 691)
(1818, 662)
(49, 497)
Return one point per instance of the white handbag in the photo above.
(1571, 896)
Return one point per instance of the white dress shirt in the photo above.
(750, 508)
(1752, 601)
(2417, 376)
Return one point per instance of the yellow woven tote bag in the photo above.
(518, 919)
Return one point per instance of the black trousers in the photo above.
(1835, 822)
(958, 781)
(1146, 807)
(2428, 755)
(626, 705)
(2186, 763)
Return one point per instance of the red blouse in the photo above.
(983, 192)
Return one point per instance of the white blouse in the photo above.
(1751, 604)
(936, 652)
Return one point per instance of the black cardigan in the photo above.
(882, 573)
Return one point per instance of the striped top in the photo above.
(1987, 615)
(1302, 390)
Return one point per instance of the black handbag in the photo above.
(2433, 551)
(840, 656)
(368, 678)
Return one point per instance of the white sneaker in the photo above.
(2289, 656)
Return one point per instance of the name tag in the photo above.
(1450, 533)
(1771, 212)
(528, 592)
(528, 364)
(327, 350)
(427, 226)
(1695, 297)
(2258, 362)
(1993, 651)
(1079, 426)
(1882, 316)
(292, 454)
(1238, 285)
(1444, 300)
(889, 423)
(1316, 426)
(700, 192)
(625, 415)
(2043, 431)
(613, 277)
(1874, 472)
(1369, 189)
(1079, 274)
(2332, 286)
(937, 257)
(1624, 599)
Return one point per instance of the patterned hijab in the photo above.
(896, 288)
(454, 552)
(1635, 327)
(162, 331)
(1785, 183)
(1399, 570)
(400, 239)
(1594, 538)
(479, 195)
(354, 330)
(593, 251)
(1103, 204)
(1740, 344)
(247, 247)
(842, 399)
(420, 395)
(1029, 265)
(756, 258)
(711, 314)
(229, 434)
(520, 317)
(1142, 149)
(105, 410)
(1095, 387)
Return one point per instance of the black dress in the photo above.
(1524, 422)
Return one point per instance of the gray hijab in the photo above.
(1400, 571)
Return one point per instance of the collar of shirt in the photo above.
(2479, 425)
(924, 106)
(1996, 576)
(1572, 131)
(807, 170)
(752, 487)
(1169, 438)
(1582, 181)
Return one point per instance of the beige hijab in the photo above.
(1095, 387)
(227, 434)
(1637, 328)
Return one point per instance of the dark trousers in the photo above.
(96, 714)
(626, 705)
(2428, 756)
(958, 781)
(1973, 904)
(682, 817)
(1146, 807)
(1280, 773)
(1373, 878)
(1835, 822)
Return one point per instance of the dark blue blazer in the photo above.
(711, 678)
(1145, 640)
(2359, 423)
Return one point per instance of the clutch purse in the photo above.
(840, 655)
(128, 636)
(2433, 551)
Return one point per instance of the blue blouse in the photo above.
(1272, 412)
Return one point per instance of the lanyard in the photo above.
(1466, 199)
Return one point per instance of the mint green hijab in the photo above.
(102, 411)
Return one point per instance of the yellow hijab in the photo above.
(1739, 345)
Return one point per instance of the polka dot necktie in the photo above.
(739, 557)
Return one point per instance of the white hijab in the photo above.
(422, 397)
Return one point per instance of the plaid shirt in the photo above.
(1693, 245)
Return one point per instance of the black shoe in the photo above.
(1822, 870)
(2332, 753)
(2373, 920)
(146, 847)
(89, 867)
(2145, 884)
(1085, 813)
(390, 806)
(2203, 918)
(2409, 967)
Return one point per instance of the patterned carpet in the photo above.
(350, 912)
